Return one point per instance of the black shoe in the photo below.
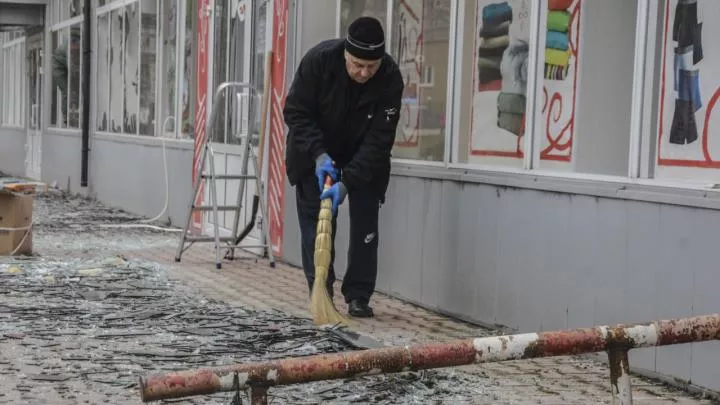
(360, 309)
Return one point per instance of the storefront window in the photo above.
(127, 50)
(585, 94)
(587, 90)
(117, 92)
(74, 113)
(148, 49)
(420, 43)
(688, 132)
(13, 80)
(259, 60)
(66, 61)
(419, 40)
(224, 17)
(188, 83)
(232, 62)
(103, 73)
(60, 64)
(352, 9)
(168, 94)
(131, 68)
(70, 8)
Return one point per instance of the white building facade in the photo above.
(555, 165)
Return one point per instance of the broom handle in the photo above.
(328, 182)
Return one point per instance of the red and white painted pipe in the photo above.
(615, 340)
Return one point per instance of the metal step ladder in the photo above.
(232, 242)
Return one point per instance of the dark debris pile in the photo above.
(79, 330)
(65, 223)
(79, 325)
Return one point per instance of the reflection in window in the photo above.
(54, 39)
(169, 53)
(188, 91)
(103, 68)
(148, 47)
(60, 77)
(238, 65)
(116, 71)
(74, 66)
(420, 38)
(131, 68)
(76, 7)
(259, 64)
(223, 12)
(352, 9)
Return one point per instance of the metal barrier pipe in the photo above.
(614, 340)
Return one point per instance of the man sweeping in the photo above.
(342, 111)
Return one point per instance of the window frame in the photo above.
(13, 52)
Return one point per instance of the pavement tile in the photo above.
(559, 380)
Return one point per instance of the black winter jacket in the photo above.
(327, 112)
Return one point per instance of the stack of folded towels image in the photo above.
(557, 44)
(494, 39)
(511, 100)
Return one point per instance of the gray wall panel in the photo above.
(610, 258)
(12, 151)
(449, 237)
(676, 248)
(61, 160)
(431, 244)
(642, 261)
(705, 357)
(131, 175)
(485, 255)
(582, 231)
(123, 174)
(291, 229)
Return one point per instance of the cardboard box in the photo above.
(16, 211)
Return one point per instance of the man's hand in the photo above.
(324, 167)
(337, 192)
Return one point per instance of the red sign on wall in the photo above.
(201, 75)
(276, 175)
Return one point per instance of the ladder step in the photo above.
(229, 176)
(209, 239)
(219, 207)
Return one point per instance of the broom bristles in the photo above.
(323, 308)
(321, 305)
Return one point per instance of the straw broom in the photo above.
(321, 305)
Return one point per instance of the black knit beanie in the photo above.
(366, 39)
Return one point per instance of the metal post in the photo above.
(620, 376)
(351, 364)
(258, 396)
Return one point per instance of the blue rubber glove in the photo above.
(337, 192)
(324, 167)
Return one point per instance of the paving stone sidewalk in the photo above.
(103, 302)
(251, 282)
